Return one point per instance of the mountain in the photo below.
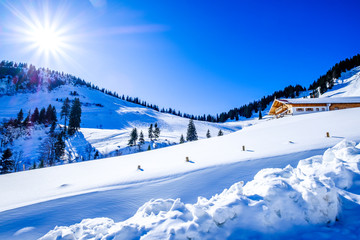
(106, 120)
(319, 194)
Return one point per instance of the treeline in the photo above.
(325, 82)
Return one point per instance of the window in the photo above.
(309, 109)
(317, 109)
(336, 108)
(323, 109)
(299, 109)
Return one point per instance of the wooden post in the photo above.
(243, 148)
(23, 167)
(187, 159)
(327, 134)
(139, 167)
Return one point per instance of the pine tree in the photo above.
(59, 147)
(96, 156)
(208, 134)
(35, 116)
(149, 148)
(42, 117)
(65, 111)
(191, 132)
(260, 115)
(133, 137)
(7, 164)
(20, 116)
(220, 133)
(151, 132)
(182, 140)
(156, 132)
(50, 114)
(141, 138)
(75, 117)
(26, 120)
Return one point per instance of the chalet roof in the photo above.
(320, 100)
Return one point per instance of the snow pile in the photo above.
(275, 201)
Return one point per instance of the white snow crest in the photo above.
(276, 200)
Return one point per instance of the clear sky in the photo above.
(197, 56)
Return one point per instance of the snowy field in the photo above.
(115, 188)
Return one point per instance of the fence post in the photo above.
(187, 159)
(327, 134)
(243, 148)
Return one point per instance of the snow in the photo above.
(323, 99)
(290, 136)
(274, 202)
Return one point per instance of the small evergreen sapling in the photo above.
(208, 135)
(220, 133)
(182, 140)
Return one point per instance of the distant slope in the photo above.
(348, 85)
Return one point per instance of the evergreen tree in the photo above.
(96, 156)
(20, 116)
(7, 164)
(75, 117)
(59, 147)
(149, 148)
(151, 132)
(260, 115)
(50, 114)
(133, 137)
(53, 114)
(208, 134)
(191, 132)
(35, 116)
(156, 132)
(182, 140)
(42, 117)
(26, 120)
(41, 164)
(65, 111)
(220, 133)
(141, 138)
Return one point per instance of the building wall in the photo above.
(337, 106)
(308, 109)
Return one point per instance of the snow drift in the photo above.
(275, 201)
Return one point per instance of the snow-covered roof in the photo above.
(320, 100)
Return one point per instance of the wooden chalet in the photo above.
(281, 107)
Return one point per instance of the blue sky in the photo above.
(194, 56)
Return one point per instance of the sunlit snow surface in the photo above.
(276, 201)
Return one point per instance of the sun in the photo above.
(44, 33)
(46, 39)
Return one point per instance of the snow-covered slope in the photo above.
(348, 85)
(266, 140)
(266, 207)
(106, 121)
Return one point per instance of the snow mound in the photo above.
(274, 202)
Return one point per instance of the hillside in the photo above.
(105, 124)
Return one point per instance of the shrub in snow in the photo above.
(275, 201)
